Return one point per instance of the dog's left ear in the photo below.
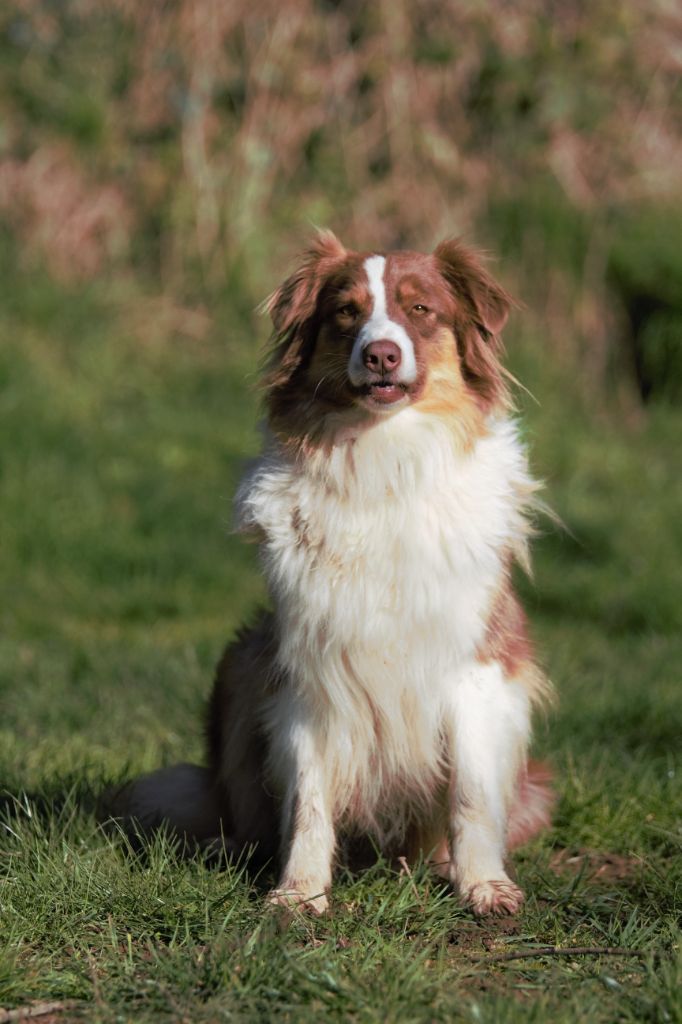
(488, 304)
(482, 310)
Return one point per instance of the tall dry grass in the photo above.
(195, 141)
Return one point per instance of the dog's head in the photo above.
(377, 333)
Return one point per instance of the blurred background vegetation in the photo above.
(174, 154)
(160, 164)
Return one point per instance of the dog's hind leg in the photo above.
(227, 806)
(245, 685)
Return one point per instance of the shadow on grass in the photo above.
(62, 809)
(66, 810)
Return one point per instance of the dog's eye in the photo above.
(348, 311)
(420, 309)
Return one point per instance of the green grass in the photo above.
(119, 583)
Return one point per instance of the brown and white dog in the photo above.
(390, 689)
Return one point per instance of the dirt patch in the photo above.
(596, 865)
(482, 936)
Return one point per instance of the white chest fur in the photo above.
(386, 553)
(382, 559)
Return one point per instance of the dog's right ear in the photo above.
(293, 305)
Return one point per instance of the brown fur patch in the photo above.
(484, 308)
(445, 393)
(506, 639)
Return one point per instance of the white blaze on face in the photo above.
(380, 327)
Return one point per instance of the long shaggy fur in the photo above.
(390, 690)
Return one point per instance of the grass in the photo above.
(119, 584)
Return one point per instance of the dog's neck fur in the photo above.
(398, 501)
(397, 457)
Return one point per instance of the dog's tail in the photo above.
(532, 808)
(179, 799)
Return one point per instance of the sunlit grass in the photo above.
(120, 582)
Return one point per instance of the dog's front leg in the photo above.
(488, 734)
(308, 836)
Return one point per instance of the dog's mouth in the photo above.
(382, 392)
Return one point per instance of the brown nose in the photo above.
(381, 356)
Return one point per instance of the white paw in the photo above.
(299, 899)
(494, 896)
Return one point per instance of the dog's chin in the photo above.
(382, 397)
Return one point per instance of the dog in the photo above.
(389, 689)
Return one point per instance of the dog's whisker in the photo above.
(319, 385)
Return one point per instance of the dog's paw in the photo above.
(296, 900)
(494, 896)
